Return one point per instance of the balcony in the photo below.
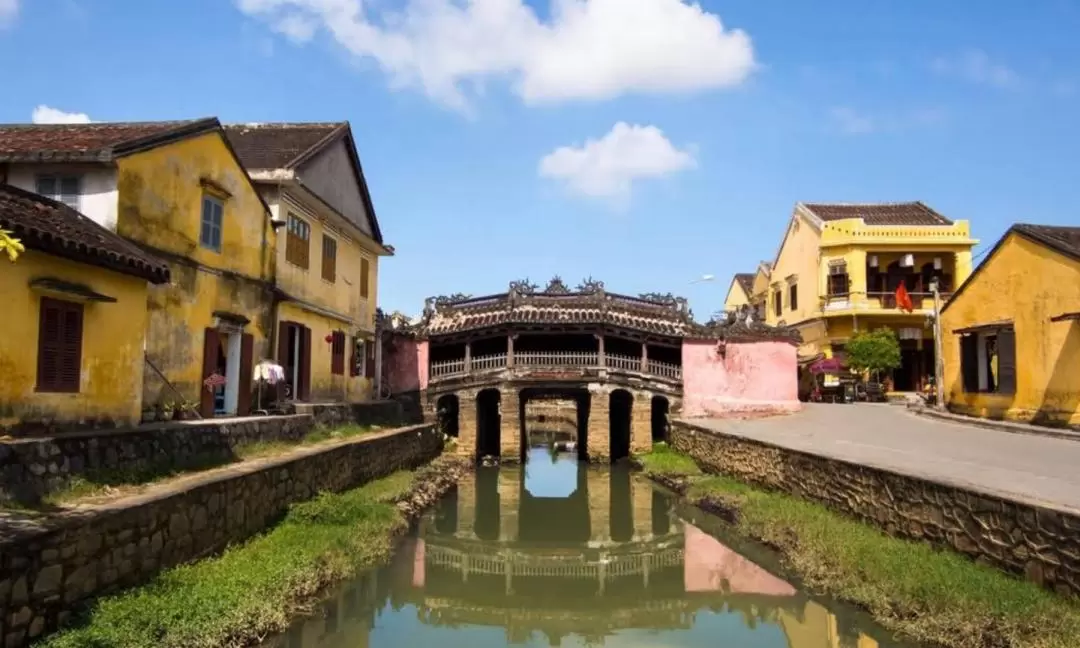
(548, 360)
(887, 300)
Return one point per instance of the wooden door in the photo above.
(211, 349)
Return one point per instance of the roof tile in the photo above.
(1061, 238)
(277, 145)
(908, 213)
(82, 142)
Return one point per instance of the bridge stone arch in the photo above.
(659, 418)
(448, 415)
(488, 423)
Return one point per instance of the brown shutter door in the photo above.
(211, 343)
(969, 363)
(303, 391)
(247, 351)
(369, 360)
(1006, 348)
(283, 343)
(71, 361)
(337, 353)
(48, 345)
(352, 357)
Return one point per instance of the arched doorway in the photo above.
(620, 406)
(660, 408)
(488, 424)
(447, 414)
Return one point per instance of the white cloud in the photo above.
(8, 10)
(975, 66)
(608, 167)
(47, 115)
(590, 49)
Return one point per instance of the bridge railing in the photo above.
(556, 360)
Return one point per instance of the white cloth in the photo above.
(269, 372)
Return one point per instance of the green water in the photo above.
(556, 553)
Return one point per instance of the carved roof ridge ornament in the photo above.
(590, 286)
(556, 287)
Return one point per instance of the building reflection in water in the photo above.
(499, 555)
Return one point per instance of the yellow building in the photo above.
(71, 348)
(329, 244)
(838, 269)
(739, 292)
(1011, 333)
(178, 190)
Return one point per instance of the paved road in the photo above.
(1032, 468)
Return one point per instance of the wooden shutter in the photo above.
(369, 358)
(211, 346)
(353, 371)
(303, 390)
(337, 353)
(969, 362)
(329, 258)
(1006, 348)
(60, 329)
(247, 351)
(283, 343)
(365, 277)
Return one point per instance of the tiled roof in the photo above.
(52, 227)
(278, 145)
(746, 281)
(909, 213)
(95, 142)
(1065, 240)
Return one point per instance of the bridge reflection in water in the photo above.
(555, 553)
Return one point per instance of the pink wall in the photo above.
(709, 566)
(407, 364)
(752, 377)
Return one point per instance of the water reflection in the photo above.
(560, 554)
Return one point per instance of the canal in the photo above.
(558, 553)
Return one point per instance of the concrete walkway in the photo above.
(1035, 469)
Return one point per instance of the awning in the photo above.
(828, 365)
(989, 326)
(1066, 317)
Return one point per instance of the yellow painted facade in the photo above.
(736, 297)
(1024, 283)
(112, 346)
(813, 249)
(160, 206)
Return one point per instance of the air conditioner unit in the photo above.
(873, 261)
(907, 261)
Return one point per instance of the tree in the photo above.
(11, 246)
(873, 351)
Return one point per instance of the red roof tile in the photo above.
(100, 142)
(1065, 240)
(278, 145)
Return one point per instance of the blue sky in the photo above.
(970, 107)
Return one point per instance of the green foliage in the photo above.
(662, 460)
(10, 245)
(254, 589)
(873, 351)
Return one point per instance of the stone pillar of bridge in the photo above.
(466, 508)
(641, 423)
(641, 492)
(599, 425)
(466, 424)
(599, 507)
(510, 422)
(509, 505)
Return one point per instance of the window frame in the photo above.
(793, 296)
(365, 278)
(297, 241)
(337, 352)
(329, 258)
(57, 193)
(975, 361)
(61, 381)
(778, 302)
(214, 202)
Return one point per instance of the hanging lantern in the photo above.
(329, 338)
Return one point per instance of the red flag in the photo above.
(903, 299)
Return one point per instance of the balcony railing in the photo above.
(557, 360)
(879, 301)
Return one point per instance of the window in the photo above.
(59, 346)
(210, 224)
(838, 280)
(298, 233)
(365, 278)
(359, 358)
(337, 353)
(778, 302)
(63, 188)
(793, 297)
(988, 361)
(329, 258)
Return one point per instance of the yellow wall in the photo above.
(736, 296)
(325, 386)
(160, 205)
(112, 346)
(1028, 284)
(798, 257)
(761, 284)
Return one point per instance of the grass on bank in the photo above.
(253, 589)
(110, 482)
(929, 595)
(662, 460)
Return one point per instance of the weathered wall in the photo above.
(97, 187)
(1040, 543)
(386, 413)
(551, 415)
(47, 573)
(406, 361)
(1026, 284)
(160, 206)
(32, 468)
(112, 349)
(326, 385)
(330, 174)
(750, 377)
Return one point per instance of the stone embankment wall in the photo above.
(30, 468)
(1039, 543)
(385, 413)
(49, 567)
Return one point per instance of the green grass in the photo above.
(662, 460)
(255, 589)
(929, 595)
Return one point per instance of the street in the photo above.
(1019, 466)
